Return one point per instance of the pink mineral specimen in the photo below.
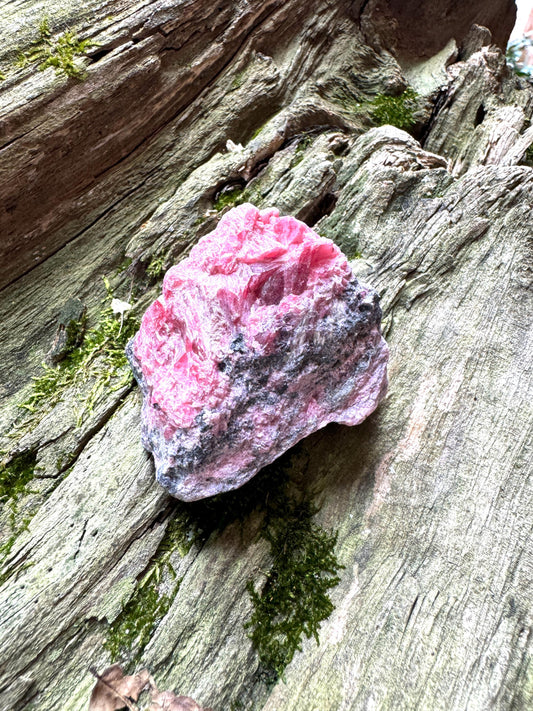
(260, 337)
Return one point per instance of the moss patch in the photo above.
(294, 599)
(16, 475)
(383, 109)
(395, 110)
(156, 267)
(238, 80)
(228, 198)
(303, 144)
(131, 631)
(99, 360)
(62, 53)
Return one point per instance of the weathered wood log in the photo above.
(117, 175)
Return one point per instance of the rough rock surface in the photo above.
(261, 337)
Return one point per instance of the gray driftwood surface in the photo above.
(432, 495)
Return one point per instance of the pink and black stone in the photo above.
(260, 337)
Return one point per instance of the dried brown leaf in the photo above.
(115, 691)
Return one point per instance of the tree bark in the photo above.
(119, 173)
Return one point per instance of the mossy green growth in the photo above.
(294, 599)
(99, 360)
(238, 80)
(131, 631)
(257, 132)
(395, 110)
(303, 144)
(5, 548)
(16, 475)
(230, 198)
(61, 53)
(123, 266)
(156, 267)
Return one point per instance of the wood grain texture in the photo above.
(431, 496)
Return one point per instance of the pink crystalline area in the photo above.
(248, 276)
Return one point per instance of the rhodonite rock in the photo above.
(260, 337)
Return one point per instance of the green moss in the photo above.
(16, 475)
(17, 528)
(294, 600)
(133, 628)
(156, 267)
(230, 198)
(383, 109)
(123, 266)
(257, 132)
(2, 76)
(61, 53)
(100, 360)
(131, 631)
(238, 80)
(394, 110)
(5, 548)
(74, 333)
(303, 144)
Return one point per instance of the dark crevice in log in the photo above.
(322, 208)
(480, 115)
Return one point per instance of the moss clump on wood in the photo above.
(382, 110)
(238, 80)
(395, 110)
(230, 197)
(294, 600)
(100, 359)
(303, 144)
(156, 267)
(131, 631)
(62, 53)
(16, 475)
